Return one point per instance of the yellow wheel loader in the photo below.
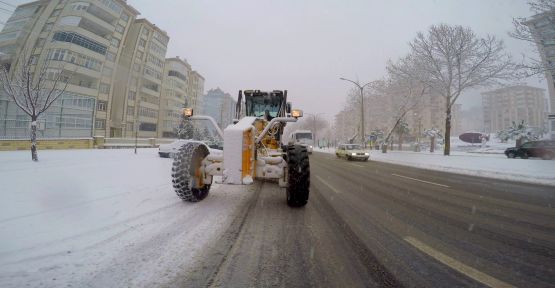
(252, 149)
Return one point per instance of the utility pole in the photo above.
(138, 107)
(361, 88)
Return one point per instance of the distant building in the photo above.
(504, 106)
(543, 28)
(195, 91)
(472, 119)
(430, 113)
(219, 105)
(136, 101)
(174, 96)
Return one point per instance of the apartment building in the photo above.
(504, 106)
(136, 102)
(196, 91)
(220, 105)
(174, 96)
(543, 29)
(83, 40)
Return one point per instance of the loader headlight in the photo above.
(296, 113)
(187, 112)
(366, 154)
(354, 154)
(310, 146)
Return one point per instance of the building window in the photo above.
(136, 67)
(151, 86)
(147, 127)
(81, 41)
(152, 73)
(115, 42)
(40, 43)
(177, 74)
(130, 110)
(148, 112)
(145, 31)
(101, 106)
(34, 59)
(56, 12)
(120, 28)
(104, 88)
(110, 56)
(139, 55)
(131, 95)
(125, 17)
(78, 6)
(47, 27)
(142, 42)
(133, 82)
(107, 71)
(100, 123)
(74, 58)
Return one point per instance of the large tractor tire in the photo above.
(298, 168)
(187, 175)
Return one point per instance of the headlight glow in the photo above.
(354, 154)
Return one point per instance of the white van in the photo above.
(303, 137)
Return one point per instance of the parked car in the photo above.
(544, 149)
(352, 152)
(169, 150)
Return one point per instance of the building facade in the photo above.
(174, 96)
(136, 104)
(219, 105)
(504, 106)
(196, 91)
(78, 39)
(119, 85)
(543, 30)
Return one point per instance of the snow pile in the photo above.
(494, 146)
(102, 218)
(233, 147)
(484, 165)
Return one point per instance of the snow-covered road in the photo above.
(497, 166)
(102, 218)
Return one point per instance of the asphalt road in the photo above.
(372, 224)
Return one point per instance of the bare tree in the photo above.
(532, 66)
(452, 59)
(405, 90)
(30, 88)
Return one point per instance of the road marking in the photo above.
(420, 180)
(327, 184)
(356, 165)
(456, 265)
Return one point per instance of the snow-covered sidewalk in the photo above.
(484, 165)
(102, 218)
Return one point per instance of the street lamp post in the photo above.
(361, 88)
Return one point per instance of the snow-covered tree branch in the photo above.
(452, 59)
(29, 87)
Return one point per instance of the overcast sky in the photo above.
(305, 46)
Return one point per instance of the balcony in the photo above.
(96, 25)
(103, 13)
(84, 32)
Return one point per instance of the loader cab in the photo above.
(266, 105)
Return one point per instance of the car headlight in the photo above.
(367, 154)
(310, 146)
(354, 154)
